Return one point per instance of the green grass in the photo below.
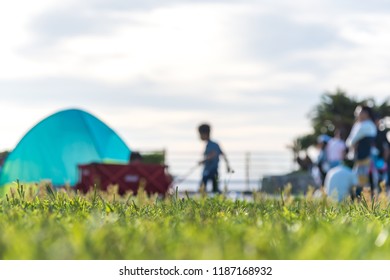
(38, 223)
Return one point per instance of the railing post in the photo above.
(247, 169)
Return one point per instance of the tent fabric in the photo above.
(54, 148)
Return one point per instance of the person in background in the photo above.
(322, 163)
(335, 150)
(135, 157)
(380, 156)
(211, 159)
(305, 163)
(361, 140)
(340, 182)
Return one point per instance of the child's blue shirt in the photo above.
(211, 165)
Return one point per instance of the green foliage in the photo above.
(154, 157)
(335, 111)
(39, 223)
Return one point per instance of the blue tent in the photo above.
(54, 147)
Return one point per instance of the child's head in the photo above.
(363, 112)
(204, 131)
(322, 141)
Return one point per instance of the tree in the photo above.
(335, 112)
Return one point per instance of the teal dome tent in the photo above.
(54, 148)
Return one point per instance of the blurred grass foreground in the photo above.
(39, 223)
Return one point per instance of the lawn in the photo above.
(38, 223)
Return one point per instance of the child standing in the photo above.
(361, 140)
(211, 159)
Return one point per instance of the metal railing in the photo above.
(249, 168)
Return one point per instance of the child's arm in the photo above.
(228, 168)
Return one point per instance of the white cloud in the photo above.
(154, 72)
(167, 45)
(15, 17)
(360, 67)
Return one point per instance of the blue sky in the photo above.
(153, 70)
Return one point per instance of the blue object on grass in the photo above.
(54, 148)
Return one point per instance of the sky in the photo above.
(154, 70)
